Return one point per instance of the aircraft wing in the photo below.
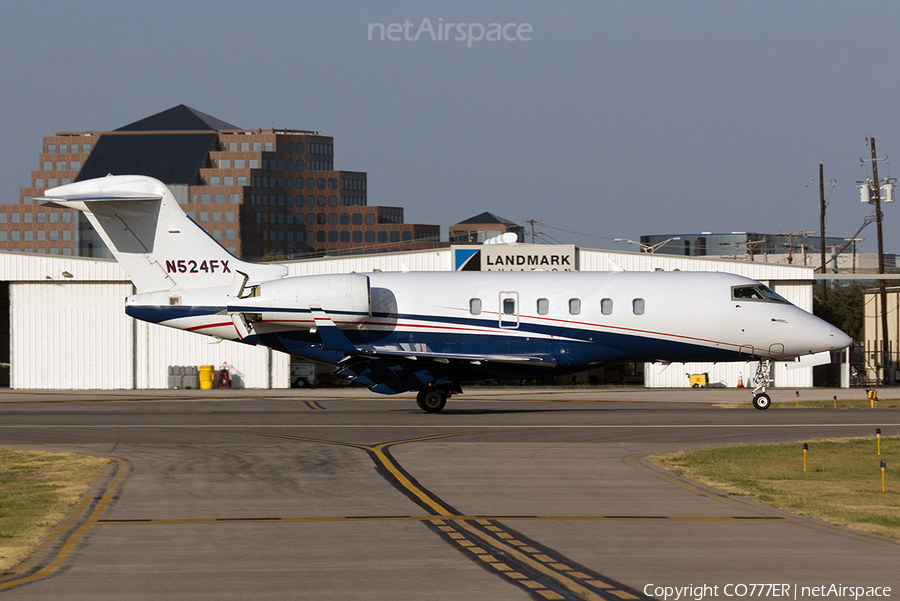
(408, 366)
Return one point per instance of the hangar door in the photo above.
(70, 336)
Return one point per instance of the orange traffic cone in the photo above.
(740, 380)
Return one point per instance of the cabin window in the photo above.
(509, 306)
(606, 306)
(475, 306)
(543, 306)
(638, 306)
(574, 306)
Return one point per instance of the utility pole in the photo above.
(531, 222)
(882, 291)
(822, 230)
(852, 241)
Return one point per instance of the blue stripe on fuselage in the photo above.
(585, 345)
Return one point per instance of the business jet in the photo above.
(431, 332)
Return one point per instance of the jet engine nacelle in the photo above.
(344, 297)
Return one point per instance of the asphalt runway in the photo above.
(507, 494)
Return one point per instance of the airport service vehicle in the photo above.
(431, 332)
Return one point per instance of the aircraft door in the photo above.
(509, 310)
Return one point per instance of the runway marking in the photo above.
(529, 566)
(69, 543)
(452, 518)
(314, 405)
(498, 427)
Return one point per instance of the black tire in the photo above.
(762, 401)
(431, 399)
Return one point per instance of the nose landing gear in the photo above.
(761, 380)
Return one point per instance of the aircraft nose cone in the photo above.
(840, 339)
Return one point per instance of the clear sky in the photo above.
(609, 119)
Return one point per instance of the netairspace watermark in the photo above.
(445, 32)
(781, 591)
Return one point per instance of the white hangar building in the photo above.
(63, 324)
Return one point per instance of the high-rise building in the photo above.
(270, 193)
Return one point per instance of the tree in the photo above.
(844, 308)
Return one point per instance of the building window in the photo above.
(332, 201)
(574, 306)
(269, 147)
(357, 236)
(370, 219)
(47, 165)
(382, 236)
(205, 198)
(42, 217)
(320, 183)
(370, 236)
(345, 236)
(29, 218)
(320, 236)
(29, 236)
(229, 234)
(332, 183)
(215, 181)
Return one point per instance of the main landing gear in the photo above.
(432, 399)
(761, 380)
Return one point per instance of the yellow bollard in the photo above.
(878, 436)
(805, 448)
(883, 466)
(835, 401)
(798, 399)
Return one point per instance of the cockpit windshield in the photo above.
(757, 293)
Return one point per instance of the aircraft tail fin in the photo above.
(157, 244)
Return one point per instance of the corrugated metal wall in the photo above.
(251, 366)
(70, 335)
(426, 260)
(675, 375)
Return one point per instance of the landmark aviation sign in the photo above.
(519, 257)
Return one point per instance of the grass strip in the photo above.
(841, 484)
(38, 489)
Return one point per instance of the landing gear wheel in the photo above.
(762, 401)
(431, 399)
